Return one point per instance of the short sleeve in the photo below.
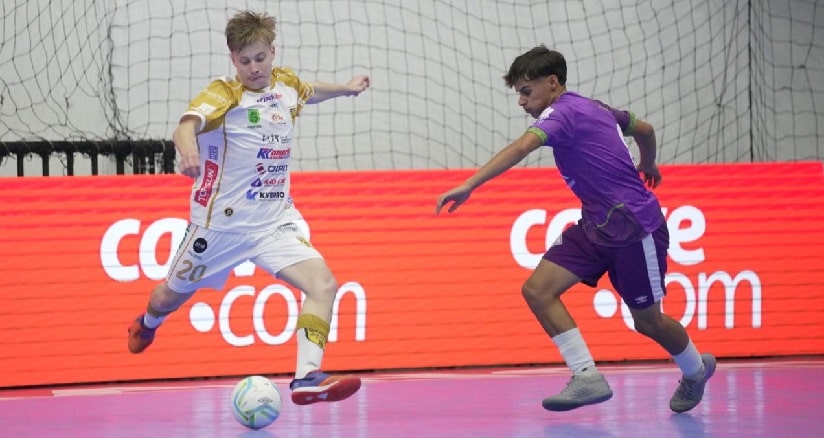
(554, 128)
(211, 105)
(626, 119)
(288, 77)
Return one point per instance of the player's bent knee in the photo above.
(649, 321)
(326, 287)
(649, 326)
(537, 296)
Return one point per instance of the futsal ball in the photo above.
(256, 402)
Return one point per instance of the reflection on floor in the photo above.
(745, 398)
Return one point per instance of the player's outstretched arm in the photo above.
(326, 91)
(644, 136)
(498, 164)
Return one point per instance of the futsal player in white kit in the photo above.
(236, 139)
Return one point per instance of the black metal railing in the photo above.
(145, 156)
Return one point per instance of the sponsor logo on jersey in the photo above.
(221, 100)
(264, 196)
(273, 154)
(280, 168)
(205, 109)
(213, 153)
(270, 196)
(269, 97)
(200, 245)
(253, 115)
(277, 181)
(204, 192)
(270, 138)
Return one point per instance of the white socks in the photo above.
(690, 362)
(574, 351)
(153, 321)
(578, 358)
(309, 357)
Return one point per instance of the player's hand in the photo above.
(456, 196)
(651, 175)
(189, 164)
(357, 85)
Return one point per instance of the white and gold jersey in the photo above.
(245, 139)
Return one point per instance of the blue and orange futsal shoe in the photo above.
(140, 336)
(319, 387)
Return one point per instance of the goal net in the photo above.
(721, 81)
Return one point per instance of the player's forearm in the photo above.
(508, 157)
(184, 138)
(644, 136)
(647, 151)
(326, 91)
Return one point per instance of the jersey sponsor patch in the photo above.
(205, 109)
(204, 192)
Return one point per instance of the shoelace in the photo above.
(568, 389)
(686, 388)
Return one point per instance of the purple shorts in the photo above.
(636, 271)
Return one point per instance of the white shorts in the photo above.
(205, 258)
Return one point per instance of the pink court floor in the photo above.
(776, 398)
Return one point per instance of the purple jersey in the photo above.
(587, 139)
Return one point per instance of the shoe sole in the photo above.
(336, 391)
(556, 406)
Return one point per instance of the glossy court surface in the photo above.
(744, 398)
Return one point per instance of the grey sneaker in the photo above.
(690, 392)
(583, 389)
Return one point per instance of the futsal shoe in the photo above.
(690, 392)
(319, 387)
(586, 388)
(140, 336)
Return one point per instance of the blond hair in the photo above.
(249, 27)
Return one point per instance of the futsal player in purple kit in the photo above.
(622, 231)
